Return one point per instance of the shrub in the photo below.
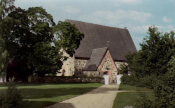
(146, 81)
(165, 91)
(123, 69)
(11, 97)
(143, 101)
(125, 79)
(130, 80)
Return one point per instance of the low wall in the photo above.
(66, 79)
(93, 73)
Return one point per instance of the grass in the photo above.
(129, 87)
(129, 97)
(37, 95)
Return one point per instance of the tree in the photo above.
(6, 6)
(32, 35)
(31, 28)
(68, 37)
(163, 90)
(48, 60)
(123, 69)
(49, 57)
(156, 51)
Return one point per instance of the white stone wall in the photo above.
(119, 78)
(72, 66)
(68, 65)
(118, 65)
(79, 66)
(2, 78)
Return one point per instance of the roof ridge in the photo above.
(96, 24)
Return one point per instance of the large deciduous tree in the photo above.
(32, 29)
(156, 51)
(67, 37)
(36, 38)
(153, 67)
(6, 6)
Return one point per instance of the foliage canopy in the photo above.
(34, 37)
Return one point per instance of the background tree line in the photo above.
(153, 66)
(30, 41)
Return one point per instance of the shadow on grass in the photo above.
(46, 94)
(52, 92)
(21, 84)
(61, 105)
(18, 84)
(46, 104)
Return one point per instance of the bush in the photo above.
(146, 81)
(143, 102)
(129, 80)
(165, 91)
(125, 79)
(123, 69)
(11, 97)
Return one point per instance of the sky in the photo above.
(135, 15)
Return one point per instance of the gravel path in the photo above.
(101, 97)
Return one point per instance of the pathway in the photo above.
(101, 97)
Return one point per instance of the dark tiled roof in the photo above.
(96, 58)
(96, 36)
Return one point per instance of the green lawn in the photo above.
(129, 87)
(39, 95)
(128, 98)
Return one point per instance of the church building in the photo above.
(101, 51)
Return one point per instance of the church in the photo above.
(101, 51)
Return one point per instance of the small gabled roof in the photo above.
(96, 36)
(96, 58)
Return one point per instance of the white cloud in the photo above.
(128, 1)
(72, 10)
(140, 29)
(47, 4)
(166, 20)
(168, 28)
(39, 0)
(120, 18)
(90, 19)
(139, 32)
(121, 15)
(144, 28)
